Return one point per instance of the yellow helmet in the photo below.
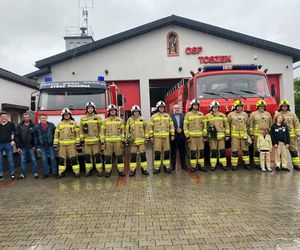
(261, 102)
(284, 102)
(237, 102)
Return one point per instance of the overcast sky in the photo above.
(34, 29)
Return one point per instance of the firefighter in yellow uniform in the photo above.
(217, 128)
(292, 122)
(90, 129)
(193, 127)
(160, 132)
(259, 119)
(238, 123)
(112, 140)
(137, 134)
(66, 139)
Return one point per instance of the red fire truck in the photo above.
(52, 97)
(224, 84)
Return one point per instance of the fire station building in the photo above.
(146, 61)
(15, 94)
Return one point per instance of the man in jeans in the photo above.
(24, 136)
(7, 130)
(44, 141)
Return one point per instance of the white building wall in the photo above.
(14, 93)
(145, 57)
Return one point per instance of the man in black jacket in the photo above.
(25, 142)
(179, 142)
(7, 130)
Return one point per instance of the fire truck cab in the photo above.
(52, 97)
(224, 84)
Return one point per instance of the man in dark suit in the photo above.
(179, 142)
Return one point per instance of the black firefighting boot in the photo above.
(193, 169)
(248, 166)
(167, 170)
(144, 172)
(132, 173)
(108, 174)
(156, 171)
(121, 173)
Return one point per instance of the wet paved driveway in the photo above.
(214, 210)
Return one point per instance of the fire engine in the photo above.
(224, 83)
(54, 96)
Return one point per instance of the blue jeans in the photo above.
(25, 152)
(48, 152)
(8, 149)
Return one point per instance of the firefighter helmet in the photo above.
(90, 104)
(135, 108)
(237, 103)
(111, 107)
(214, 104)
(194, 101)
(261, 102)
(160, 104)
(66, 111)
(284, 102)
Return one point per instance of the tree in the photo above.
(297, 95)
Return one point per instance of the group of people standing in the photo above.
(104, 140)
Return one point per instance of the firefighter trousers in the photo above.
(236, 145)
(294, 152)
(134, 151)
(256, 156)
(161, 147)
(196, 146)
(109, 150)
(92, 153)
(64, 152)
(217, 150)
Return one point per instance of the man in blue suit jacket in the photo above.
(179, 142)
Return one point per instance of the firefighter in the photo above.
(90, 128)
(292, 122)
(66, 139)
(238, 124)
(259, 119)
(112, 140)
(136, 134)
(216, 128)
(161, 131)
(193, 127)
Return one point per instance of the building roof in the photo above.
(18, 79)
(38, 72)
(171, 20)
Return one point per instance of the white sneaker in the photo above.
(269, 169)
(264, 170)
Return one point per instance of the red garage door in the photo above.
(275, 86)
(131, 91)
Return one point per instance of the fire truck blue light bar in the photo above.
(100, 78)
(48, 79)
(230, 67)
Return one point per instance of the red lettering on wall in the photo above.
(214, 59)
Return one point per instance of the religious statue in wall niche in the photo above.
(172, 42)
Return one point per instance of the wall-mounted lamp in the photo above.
(287, 66)
(106, 72)
(179, 69)
(73, 73)
(266, 70)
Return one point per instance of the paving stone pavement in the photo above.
(186, 211)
